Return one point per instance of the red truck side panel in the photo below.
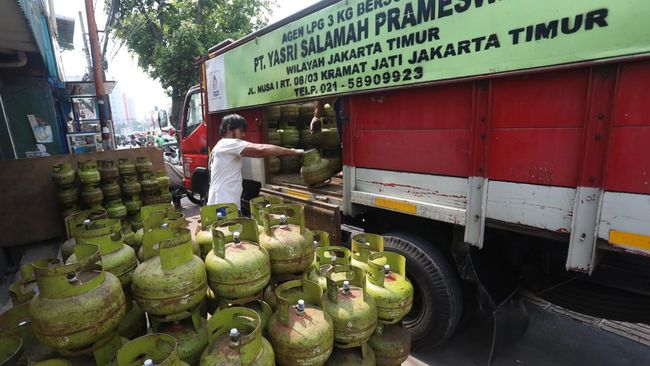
(254, 133)
(628, 163)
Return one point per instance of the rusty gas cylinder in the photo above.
(357, 356)
(149, 350)
(143, 165)
(301, 333)
(353, 311)
(108, 171)
(88, 173)
(287, 240)
(126, 167)
(209, 215)
(388, 285)
(236, 339)
(391, 343)
(63, 175)
(237, 267)
(362, 246)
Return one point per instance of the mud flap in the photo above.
(498, 295)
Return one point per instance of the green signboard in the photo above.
(361, 45)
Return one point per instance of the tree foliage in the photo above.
(167, 35)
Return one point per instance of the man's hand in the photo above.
(316, 125)
(298, 151)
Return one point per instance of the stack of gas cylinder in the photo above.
(246, 291)
(64, 178)
(323, 157)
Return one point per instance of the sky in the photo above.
(122, 66)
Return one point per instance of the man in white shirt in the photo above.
(226, 160)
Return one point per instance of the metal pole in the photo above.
(89, 64)
(104, 119)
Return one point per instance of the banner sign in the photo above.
(358, 45)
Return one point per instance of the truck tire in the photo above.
(437, 302)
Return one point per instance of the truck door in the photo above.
(193, 136)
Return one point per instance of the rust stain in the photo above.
(416, 191)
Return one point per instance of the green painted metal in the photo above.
(149, 183)
(126, 167)
(108, 171)
(117, 258)
(111, 190)
(363, 356)
(275, 165)
(209, 215)
(257, 206)
(272, 115)
(93, 296)
(143, 165)
(388, 285)
(315, 170)
(63, 175)
(362, 246)
(163, 179)
(300, 335)
(11, 348)
(134, 323)
(238, 267)
(149, 210)
(131, 186)
(133, 205)
(289, 136)
(116, 209)
(173, 282)
(286, 239)
(353, 311)
(160, 219)
(391, 343)
(88, 173)
(18, 322)
(246, 346)
(191, 336)
(68, 196)
(23, 290)
(92, 196)
(326, 259)
(161, 349)
(289, 113)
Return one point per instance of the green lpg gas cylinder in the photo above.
(75, 221)
(88, 173)
(237, 267)
(23, 290)
(79, 305)
(153, 349)
(143, 165)
(315, 170)
(117, 258)
(209, 215)
(11, 348)
(131, 186)
(173, 219)
(288, 242)
(108, 171)
(68, 196)
(149, 183)
(273, 137)
(326, 259)
(63, 175)
(116, 209)
(257, 206)
(306, 139)
(111, 190)
(391, 343)
(126, 167)
(289, 136)
(236, 339)
(191, 336)
(387, 284)
(272, 115)
(275, 165)
(362, 246)
(321, 239)
(363, 356)
(173, 282)
(353, 311)
(300, 332)
(289, 113)
(92, 196)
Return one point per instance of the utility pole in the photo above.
(89, 64)
(102, 98)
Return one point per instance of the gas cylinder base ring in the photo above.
(80, 351)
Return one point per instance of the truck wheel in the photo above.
(437, 302)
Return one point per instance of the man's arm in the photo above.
(265, 150)
(316, 124)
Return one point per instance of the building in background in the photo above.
(34, 106)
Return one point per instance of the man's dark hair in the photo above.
(232, 122)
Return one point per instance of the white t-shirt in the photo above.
(225, 172)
